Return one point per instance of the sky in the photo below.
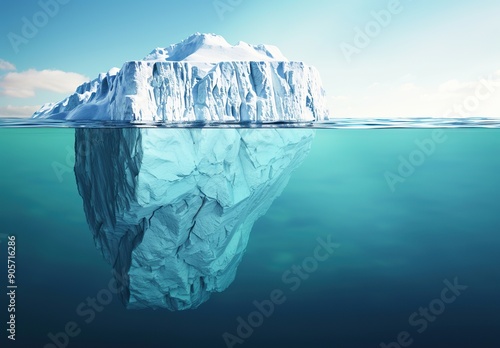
(376, 58)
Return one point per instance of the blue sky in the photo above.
(420, 58)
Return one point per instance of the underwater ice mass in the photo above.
(173, 209)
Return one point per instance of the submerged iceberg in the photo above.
(172, 209)
(201, 79)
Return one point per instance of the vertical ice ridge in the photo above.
(238, 91)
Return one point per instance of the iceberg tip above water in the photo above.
(201, 79)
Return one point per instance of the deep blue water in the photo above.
(396, 249)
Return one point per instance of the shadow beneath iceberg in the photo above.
(172, 209)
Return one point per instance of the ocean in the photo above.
(386, 235)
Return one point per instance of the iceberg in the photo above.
(202, 79)
(172, 209)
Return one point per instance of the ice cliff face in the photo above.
(173, 209)
(202, 79)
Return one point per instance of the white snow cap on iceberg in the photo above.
(211, 48)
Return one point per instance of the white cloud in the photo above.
(4, 65)
(433, 96)
(418, 100)
(456, 86)
(24, 84)
(410, 87)
(18, 111)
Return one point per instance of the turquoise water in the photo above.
(400, 243)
